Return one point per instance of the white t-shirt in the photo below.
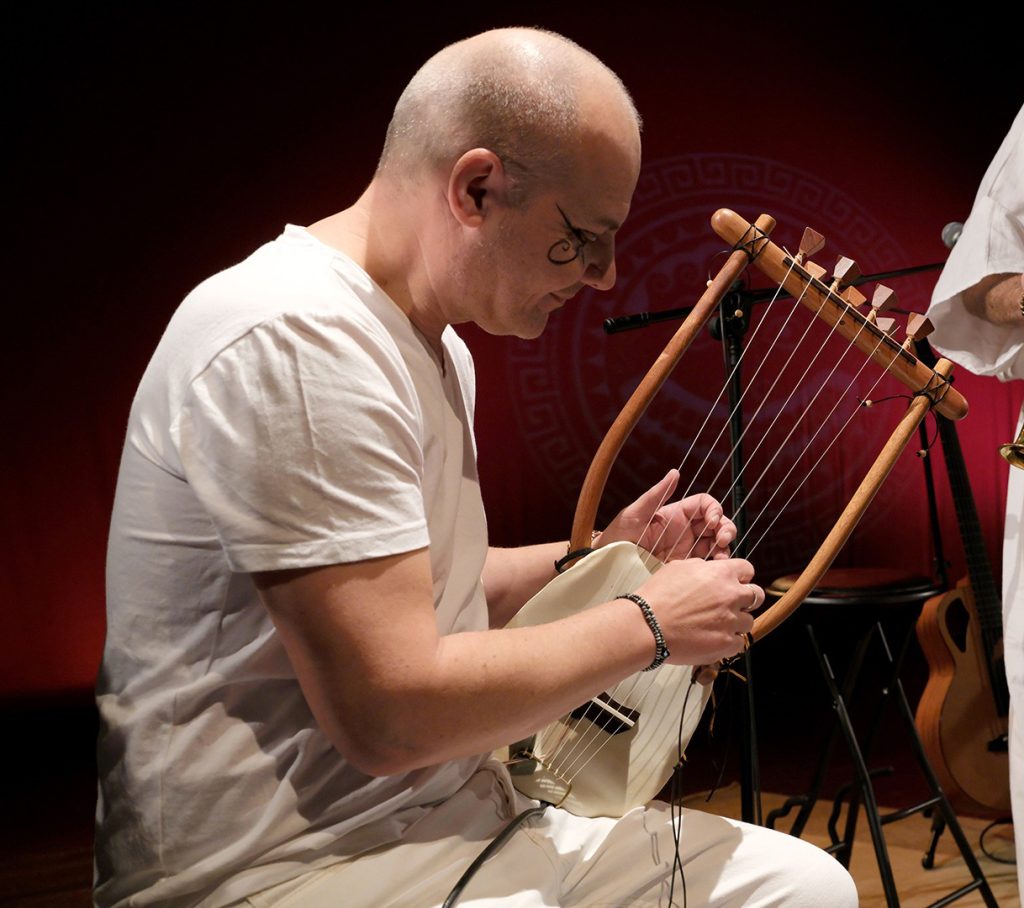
(291, 416)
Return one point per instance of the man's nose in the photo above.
(600, 272)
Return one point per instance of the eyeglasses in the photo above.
(570, 247)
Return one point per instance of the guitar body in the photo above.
(617, 751)
(959, 722)
(962, 716)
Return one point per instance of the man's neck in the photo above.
(375, 235)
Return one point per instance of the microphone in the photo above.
(951, 233)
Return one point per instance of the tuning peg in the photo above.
(844, 274)
(882, 300)
(853, 297)
(885, 324)
(810, 243)
(918, 326)
(846, 271)
(814, 270)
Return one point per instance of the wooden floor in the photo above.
(906, 842)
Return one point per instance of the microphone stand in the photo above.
(730, 326)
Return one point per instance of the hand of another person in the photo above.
(695, 527)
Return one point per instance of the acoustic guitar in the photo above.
(962, 716)
(616, 751)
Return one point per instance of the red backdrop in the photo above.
(151, 151)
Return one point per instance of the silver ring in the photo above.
(753, 598)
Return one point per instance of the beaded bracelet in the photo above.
(661, 652)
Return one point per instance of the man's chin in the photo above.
(535, 329)
(523, 330)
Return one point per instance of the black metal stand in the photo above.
(861, 790)
(730, 326)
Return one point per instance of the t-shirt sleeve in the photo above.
(303, 442)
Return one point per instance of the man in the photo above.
(978, 312)
(301, 672)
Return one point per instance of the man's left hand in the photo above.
(695, 527)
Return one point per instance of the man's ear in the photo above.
(477, 183)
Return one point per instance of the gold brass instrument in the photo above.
(1014, 451)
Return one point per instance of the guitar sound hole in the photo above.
(607, 714)
(1000, 745)
(957, 620)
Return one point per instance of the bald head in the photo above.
(522, 93)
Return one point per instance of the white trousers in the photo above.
(558, 859)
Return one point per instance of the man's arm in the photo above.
(512, 576)
(996, 299)
(393, 695)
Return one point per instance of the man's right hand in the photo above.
(704, 607)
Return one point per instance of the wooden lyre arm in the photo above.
(747, 249)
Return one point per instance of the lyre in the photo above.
(639, 744)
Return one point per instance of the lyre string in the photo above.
(851, 344)
(850, 419)
(795, 347)
(824, 384)
(750, 248)
(781, 485)
(760, 407)
(814, 466)
(711, 409)
(714, 403)
(581, 750)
